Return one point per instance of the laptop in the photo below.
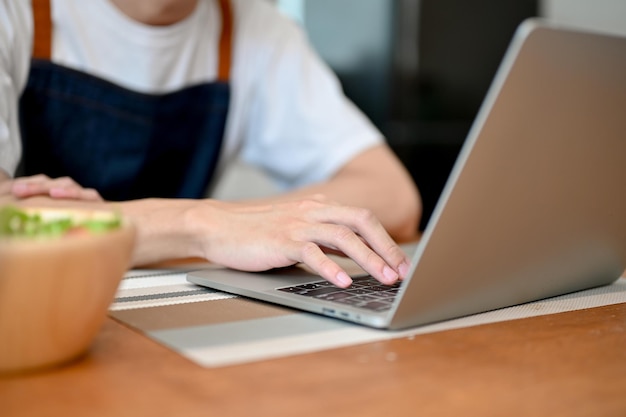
(534, 207)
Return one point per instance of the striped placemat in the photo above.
(212, 328)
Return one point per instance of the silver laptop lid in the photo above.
(536, 203)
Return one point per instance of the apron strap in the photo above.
(42, 40)
(42, 22)
(226, 40)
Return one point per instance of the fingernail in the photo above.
(343, 279)
(390, 274)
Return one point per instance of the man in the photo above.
(143, 102)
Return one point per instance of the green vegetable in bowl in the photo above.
(15, 222)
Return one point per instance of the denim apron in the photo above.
(125, 144)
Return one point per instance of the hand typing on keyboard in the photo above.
(261, 237)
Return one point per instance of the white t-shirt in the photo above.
(288, 115)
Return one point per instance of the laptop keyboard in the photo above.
(365, 292)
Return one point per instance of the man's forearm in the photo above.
(165, 230)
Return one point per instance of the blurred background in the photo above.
(419, 69)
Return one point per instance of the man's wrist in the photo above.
(167, 229)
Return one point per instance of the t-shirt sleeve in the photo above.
(15, 47)
(300, 128)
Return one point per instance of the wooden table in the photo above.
(568, 364)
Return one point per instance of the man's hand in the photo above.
(63, 188)
(261, 237)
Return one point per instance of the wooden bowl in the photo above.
(55, 293)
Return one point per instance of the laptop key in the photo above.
(290, 289)
(335, 296)
(321, 291)
(387, 295)
(349, 301)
